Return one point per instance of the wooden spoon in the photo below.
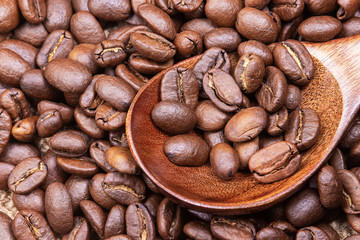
(334, 94)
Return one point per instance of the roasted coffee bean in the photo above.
(89, 101)
(322, 7)
(188, 44)
(275, 162)
(83, 53)
(27, 175)
(136, 3)
(257, 25)
(354, 221)
(153, 46)
(58, 208)
(273, 91)
(211, 58)
(23, 49)
(58, 15)
(186, 150)
(12, 67)
(257, 48)
(95, 216)
(200, 215)
(350, 27)
(109, 53)
(30, 224)
(35, 34)
(303, 129)
(331, 232)
(88, 124)
(327, 28)
(304, 208)
(67, 113)
(213, 138)
(224, 161)
(186, 6)
(5, 129)
(269, 233)
(246, 124)
(80, 5)
(169, 219)
(120, 237)
(289, 29)
(294, 97)
(283, 226)
(69, 143)
(198, 230)
(350, 201)
(49, 123)
(121, 159)
(259, 4)
(337, 160)
(232, 228)
(108, 118)
(97, 193)
(249, 72)
(78, 189)
(124, 188)
(266, 140)
(166, 6)
(115, 221)
(33, 12)
(72, 99)
(14, 102)
(139, 223)
(98, 151)
(83, 166)
(10, 16)
(146, 66)
(245, 150)
(131, 76)
(222, 90)
(67, 75)
(80, 231)
(85, 28)
(223, 14)
(352, 136)
(209, 117)
(5, 226)
(5, 170)
(55, 173)
(180, 84)
(277, 122)
(31, 201)
(15, 152)
(287, 10)
(118, 138)
(329, 187)
(158, 21)
(173, 117)
(295, 61)
(199, 25)
(311, 232)
(115, 91)
(25, 129)
(347, 9)
(152, 203)
(110, 11)
(225, 38)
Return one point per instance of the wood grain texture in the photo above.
(336, 100)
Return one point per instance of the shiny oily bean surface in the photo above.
(98, 151)
(14, 152)
(199, 25)
(246, 124)
(35, 34)
(67, 113)
(186, 150)
(277, 122)
(213, 138)
(322, 7)
(311, 232)
(97, 193)
(33, 11)
(223, 13)
(295, 61)
(271, 233)
(257, 25)
(346, 9)
(350, 27)
(109, 118)
(78, 188)
(351, 201)
(109, 53)
(55, 173)
(110, 10)
(83, 53)
(15, 103)
(147, 66)
(153, 46)
(30, 224)
(27, 175)
(186, 5)
(58, 15)
(246, 150)
(58, 208)
(115, 221)
(121, 159)
(169, 219)
(95, 216)
(303, 129)
(188, 43)
(86, 29)
(287, 10)
(131, 76)
(5, 225)
(224, 161)
(198, 229)
(209, 117)
(89, 101)
(222, 90)
(259, 4)
(225, 38)
(319, 28)
(249, 72)
(82, 166)
(139, 223)
(49, 123)
(173, 117)
(88, 124)
(5, 129)
(69, 143)
(10, 16)
(25, 129)
(232, 228)
(124, 188)
(257, 48)
(294, 97)
(275, 162)
(180, 84)
(25, 50)
(80, 231)
(5, 170)
(32, 201)
(329, 187)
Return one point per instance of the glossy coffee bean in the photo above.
(25, 129)
(80, 231)
(271, 233)
(287, 10)
(245, 150)
(278, 122)
(346, 9)
(58, 208)
(95, 216)
(257, 25)
(83, 53)
(109, 53)
(89, 101)
(350, 200)
(303, 129)
(115, 221)
(173, 117)
(275, 162)
(232, 228)
(32, 201)
(180, 84)
(124, 188)
(198, 229)
(246, 124)
(294, 97)
(186, 149)
(5, 129)
(97, 193)
(33, 12)
(224, 161)
(152, 202)
(78, 189)
(223, 14)
(311, 232)
(55, 173)
(10, 16)
(5, 225)
(295, 61)
(199, 25)
(169, 219)
(98, 151)
(213, 138)
(225, 38)
(15, 103)
(15, 152)
(82, 166)
(88, 124)
(304, 208)
(49, 123)
(58, 15)
(121, 159)
(320, 7)
(109, 118)
(27, 175)
(259, 4)
(327, 28)
(329, 187)
(188, 43)
(69, 143)
(30, 224)
(35, 34)
(67, 113)
(5, 170)
(257, 48)
(350, 27)
(209, 117)
(131, 76)
(85, 28)
(110, 11)
(147, 66)
(139, 223)
(23, 49)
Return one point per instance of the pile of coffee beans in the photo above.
(258, 93)
(69, 69)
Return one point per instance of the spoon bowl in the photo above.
(333, 94)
